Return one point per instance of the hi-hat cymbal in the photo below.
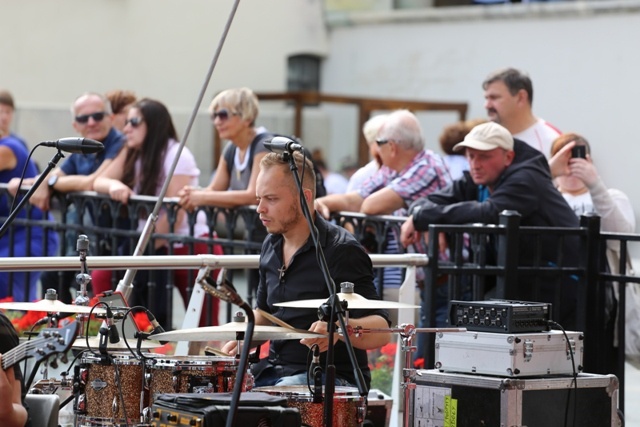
(50, 306)
(231, 331)
(94, 344)
(354, 301)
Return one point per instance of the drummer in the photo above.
(289, 271)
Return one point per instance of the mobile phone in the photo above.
(579, 151)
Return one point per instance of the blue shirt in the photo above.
(86, 164)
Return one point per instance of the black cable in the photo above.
(574, 378)
(309, 370)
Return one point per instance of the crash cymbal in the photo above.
(354, 301)
(50, 306)
(94, 344)
(230, 331)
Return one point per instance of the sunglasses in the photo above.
(134, 121)
(97, 117)
(222, 114)
(381, 142)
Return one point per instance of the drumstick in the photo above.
(274, 319)
(210, 351)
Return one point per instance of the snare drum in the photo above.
(349, 408)
(108, 390)
(195, 374)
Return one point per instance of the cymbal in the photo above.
(51, 306)
(229, 332)
(354, 301)
(94, 343)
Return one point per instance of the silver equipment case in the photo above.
(513, 355)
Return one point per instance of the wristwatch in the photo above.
(52, 181)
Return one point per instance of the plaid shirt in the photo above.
(425, 174)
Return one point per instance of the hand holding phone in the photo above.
(579, 151)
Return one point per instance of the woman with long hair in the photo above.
(141, 168)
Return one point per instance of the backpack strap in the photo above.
(230, 150)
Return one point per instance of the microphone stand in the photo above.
(333, 310)
(225, 291)
(12, 216)
(125, 285)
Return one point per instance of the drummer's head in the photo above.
(277, 194)
(305, 171)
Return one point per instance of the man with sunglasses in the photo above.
(92, 118)
(408, 172)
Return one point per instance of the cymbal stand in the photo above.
(409, 372)
(82, 279)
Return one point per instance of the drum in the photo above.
(195, 374)
(349, 408)
(110, 392)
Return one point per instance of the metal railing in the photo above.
(486, 269)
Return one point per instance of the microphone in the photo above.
(112, 329)
(157, 327)
(75, 145)
(222, 288)
(281, 144)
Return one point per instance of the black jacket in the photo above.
(525, 186)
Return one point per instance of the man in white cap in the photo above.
(505, 174)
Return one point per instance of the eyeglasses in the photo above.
(97, 117)
(134, 121)
(381, 142)
(222, 114)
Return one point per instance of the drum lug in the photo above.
(115, 407)
(147, 380)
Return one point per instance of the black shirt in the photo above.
(302, 280)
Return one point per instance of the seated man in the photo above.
(517, 178)
(12, 411)
(289, 271)
(408, 172)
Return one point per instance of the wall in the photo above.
(52, 51)
(578, 54)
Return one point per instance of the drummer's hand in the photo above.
(231, 348)
(319, 327)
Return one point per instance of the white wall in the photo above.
(52, 51)
(583, 63)
(580, 55)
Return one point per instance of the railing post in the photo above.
(428, 300)
(507, 283)
(591, 298)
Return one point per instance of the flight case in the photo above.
(512, 355)
(462, 400)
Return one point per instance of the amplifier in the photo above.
(500, 316)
